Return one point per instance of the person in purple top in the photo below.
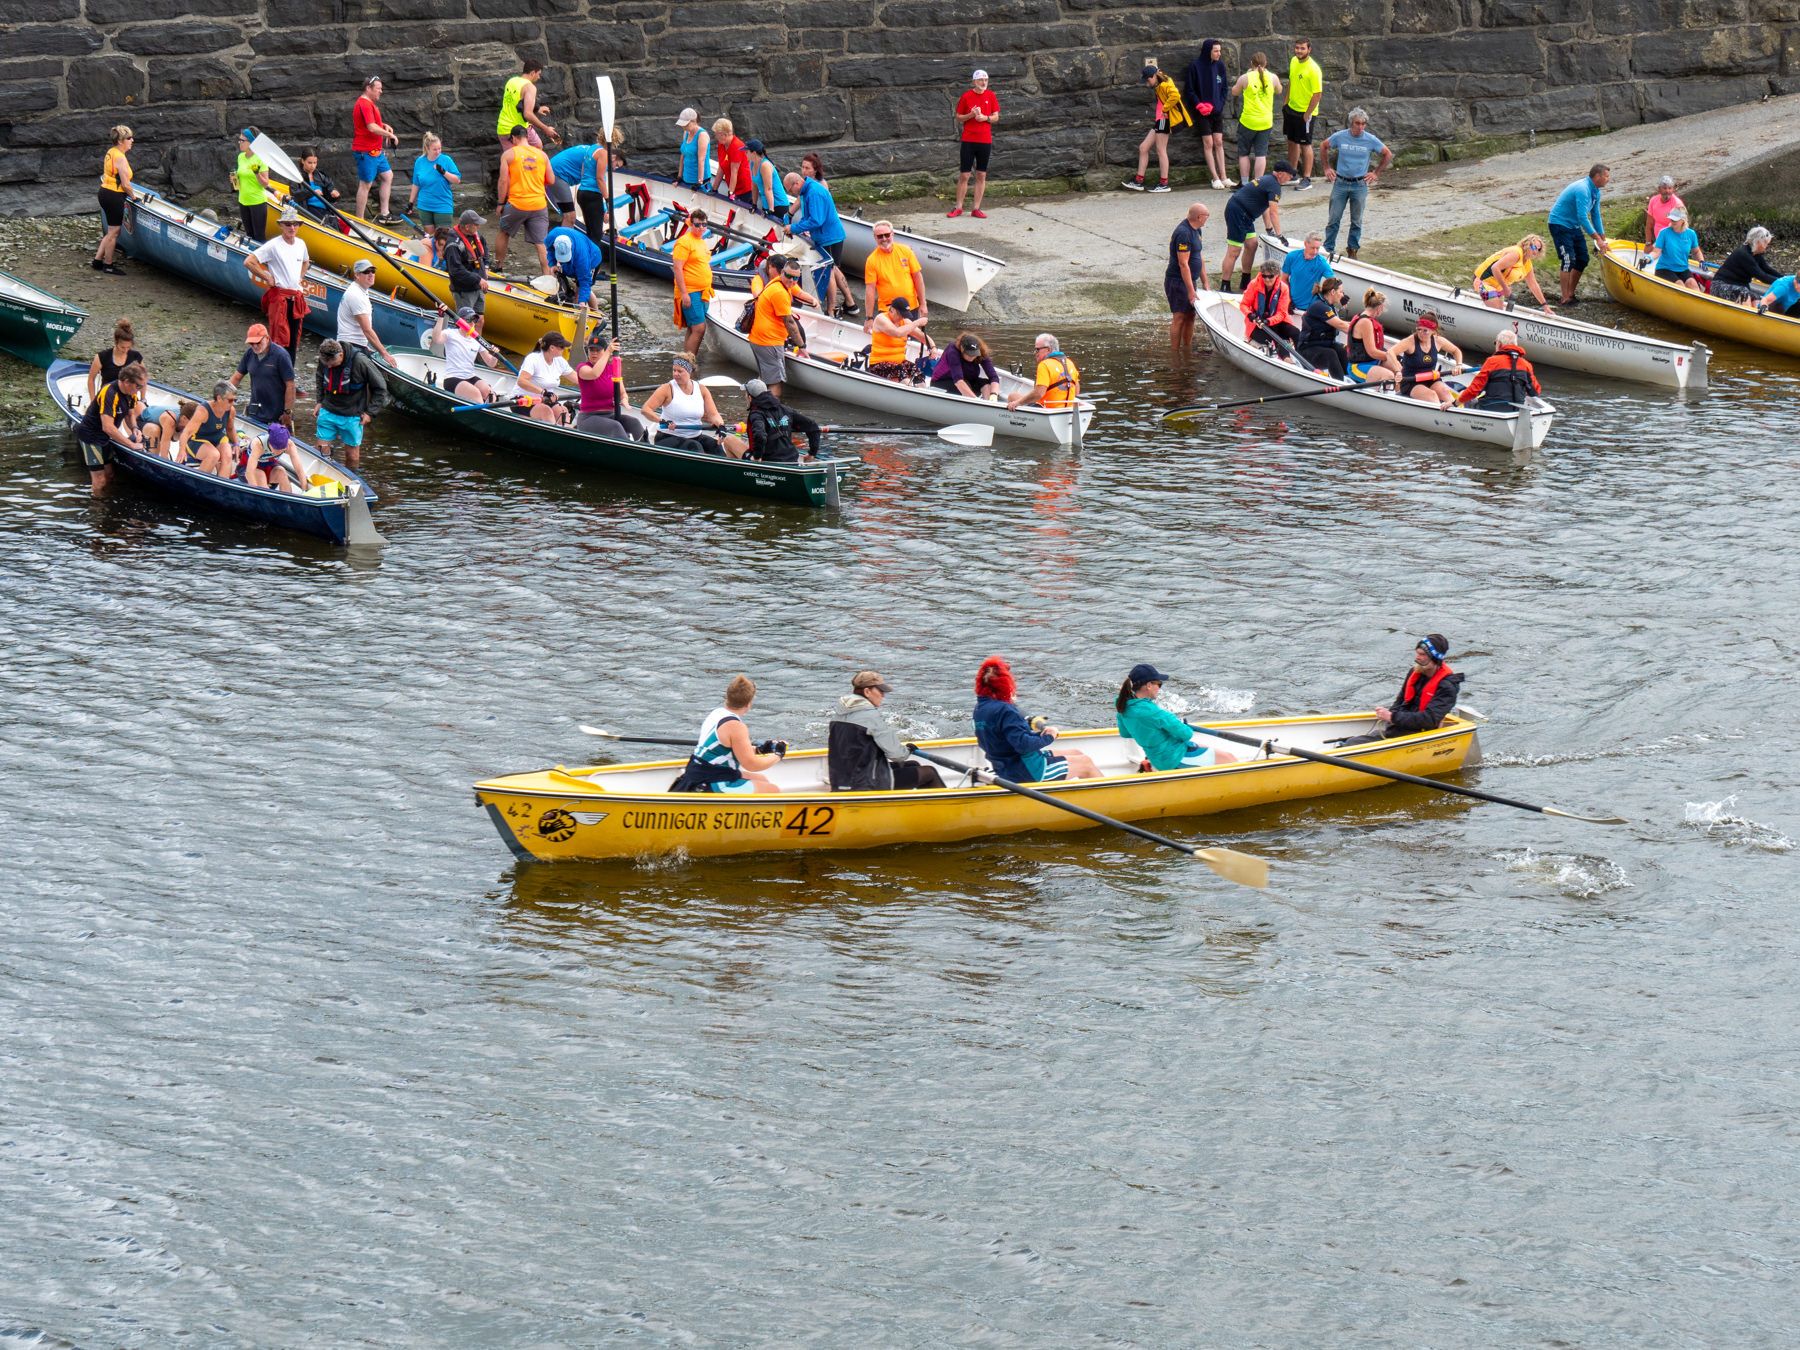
(967, 368)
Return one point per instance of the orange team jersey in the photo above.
(530, 170)
(1061, 381)
(884, 347)
(773, 305)
(693, 271)
(114, 171)
(891, 274)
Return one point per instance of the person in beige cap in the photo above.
(863, 753)
(696, 147)
(279, 266)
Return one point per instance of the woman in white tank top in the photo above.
(682, 407)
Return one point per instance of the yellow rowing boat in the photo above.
(627, 810)
(517, 316)
(1644, 290)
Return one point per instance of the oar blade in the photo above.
(276, 158)
(601, 732)
(1186, 414)
(1246, 869)
(1591, 820)
(359, 526)
(967, 433)
(720, 382)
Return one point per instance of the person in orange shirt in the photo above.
(887, 344)
(692, 257)
(1058, 383)
(774, 325)
(892, 270)
(525, 178)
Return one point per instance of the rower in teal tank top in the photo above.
(770, 198)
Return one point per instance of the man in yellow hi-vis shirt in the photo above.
(1306, 82)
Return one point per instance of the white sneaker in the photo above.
(1231, 182)
(1132, 185)
(1160, 187)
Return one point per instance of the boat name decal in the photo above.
(186, 240)
(1543, 335)
(808, 820)
(216, 252)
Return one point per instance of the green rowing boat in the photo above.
(34, 324)
(416, 382)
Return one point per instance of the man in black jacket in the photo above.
(466, 262)
(351, 392)
(772, 427)
(1427, 696)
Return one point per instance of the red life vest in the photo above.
(1425, 694)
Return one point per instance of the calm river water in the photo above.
(294, 1052)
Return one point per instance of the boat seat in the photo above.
(621, 201)
(732, 254)
(648, 223)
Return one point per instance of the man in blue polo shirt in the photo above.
(574, 259)
(1185, 277)
(1351, 168)
(1306, 267)
(1574, 219)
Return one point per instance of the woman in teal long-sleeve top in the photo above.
(1166, 740)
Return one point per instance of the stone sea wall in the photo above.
(868, 83)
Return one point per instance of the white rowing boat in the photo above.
(649, 226)
(1520, 431)
(1550, 339)
(836, 347)
(952, 273)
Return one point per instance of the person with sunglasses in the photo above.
(1500, 272)
(892, 270)
(1058, 383)
(1428, 694)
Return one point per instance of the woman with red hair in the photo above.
(1015, 749)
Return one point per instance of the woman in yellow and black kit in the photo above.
(115, 192)
(1167, 111)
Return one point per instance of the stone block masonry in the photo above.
(868, 83)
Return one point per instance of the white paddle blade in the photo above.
(967, 433)
(601, 732)
(545, 285)
(720, 382)
(606, 105)
(276, 158)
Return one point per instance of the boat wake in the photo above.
(1716, 820)
(1581, 875)
(1204, 700)
(1679, 741)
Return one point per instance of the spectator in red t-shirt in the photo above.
(976, 112)
(369, 137)
(733, 176)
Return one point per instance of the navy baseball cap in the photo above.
(1145, 673)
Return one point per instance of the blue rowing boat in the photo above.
(340, 511)
(188, 244)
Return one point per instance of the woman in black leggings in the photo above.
(1319, 327)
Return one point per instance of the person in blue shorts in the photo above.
(1185, 277)
(1253, 201)
(351, 392)
(1574, 219)
(1167, 741)
(1018, 749)
(369, 140)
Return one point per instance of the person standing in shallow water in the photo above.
(1428, 694)
(1185, 277)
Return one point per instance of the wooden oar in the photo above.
(1300, 752)
(1244, 868)
(606, 735)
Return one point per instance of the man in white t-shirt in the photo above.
(280, 266)
(355, 316)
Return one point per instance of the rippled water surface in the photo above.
(293, 1052)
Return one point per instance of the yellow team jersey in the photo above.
(512, 102)
(1305, 79)
(1259, 101)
